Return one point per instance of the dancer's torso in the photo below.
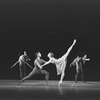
(79, 63)
(38, 62)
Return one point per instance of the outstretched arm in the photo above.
(70, 48)
(28, 65)
(46, 63)
(15, 64)
(87, 59)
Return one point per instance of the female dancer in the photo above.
(60, 63)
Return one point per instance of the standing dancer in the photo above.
(78, 63)
(22, 61)
(60, 63)
(37, 69)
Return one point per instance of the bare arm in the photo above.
(14, 64)
(28, 65)
(46, 63)
(85, 58)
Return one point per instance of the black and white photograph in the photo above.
(49, 50)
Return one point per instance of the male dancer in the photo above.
(37, 69)
(78, 63)
(60, 63)
(22, 61)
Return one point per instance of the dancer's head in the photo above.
(25, 53)
(38, 54)
(78, 58)
(50, 54)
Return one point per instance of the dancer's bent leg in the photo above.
(46, 75)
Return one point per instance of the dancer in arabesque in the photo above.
(60, 62)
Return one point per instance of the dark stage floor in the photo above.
(37, 90)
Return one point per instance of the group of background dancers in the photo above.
(60, 64)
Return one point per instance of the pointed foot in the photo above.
(19, 83)
(60, 83)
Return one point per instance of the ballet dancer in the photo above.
(60, 62)
(37, 69)
(22, 61)
(78, 62)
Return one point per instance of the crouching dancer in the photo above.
(37, 69)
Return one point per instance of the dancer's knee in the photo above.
(63, 74)
(76, 76)
(47, 74)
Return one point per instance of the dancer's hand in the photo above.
(87, 59)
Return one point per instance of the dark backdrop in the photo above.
(49, 26)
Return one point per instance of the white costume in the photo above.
(60, 63)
